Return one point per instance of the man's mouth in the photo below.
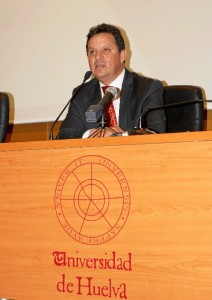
(99, 66)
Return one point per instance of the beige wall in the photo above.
(42, 53)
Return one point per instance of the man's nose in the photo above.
(99, 54)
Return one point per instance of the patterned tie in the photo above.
(110, 114)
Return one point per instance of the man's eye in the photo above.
(91, 52)
(106, 50)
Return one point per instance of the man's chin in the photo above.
(99, 75)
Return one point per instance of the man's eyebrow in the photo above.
(105, 45)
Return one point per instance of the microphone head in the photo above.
(87, 75)
(113, 90)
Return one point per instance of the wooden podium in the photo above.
(109, 218)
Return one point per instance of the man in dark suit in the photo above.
(106, 57)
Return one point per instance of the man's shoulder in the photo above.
(91, 82)
(141, 78)
(142, 83)
(87, 85)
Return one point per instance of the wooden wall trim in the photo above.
(31, 131)
(40, 131)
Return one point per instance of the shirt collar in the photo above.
(117, 82)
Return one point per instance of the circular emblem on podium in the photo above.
(92, 199)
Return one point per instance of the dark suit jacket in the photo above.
(138, 94)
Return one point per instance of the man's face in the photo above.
(104, 58)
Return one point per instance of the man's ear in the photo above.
(123, 55)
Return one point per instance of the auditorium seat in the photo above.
(4, 116)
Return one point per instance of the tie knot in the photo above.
(110, 114)
(104, 88)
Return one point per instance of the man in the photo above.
(106, 57)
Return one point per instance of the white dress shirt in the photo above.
(118, 84)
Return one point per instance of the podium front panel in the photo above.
(129, 220)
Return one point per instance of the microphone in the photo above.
(86, 77)
(94, 112)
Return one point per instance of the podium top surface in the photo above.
(110, 141)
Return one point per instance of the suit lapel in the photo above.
(126, 98)
(93, 93)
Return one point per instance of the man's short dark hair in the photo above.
(107, 28)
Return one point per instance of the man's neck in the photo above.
(117, 82)
(110, 81)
